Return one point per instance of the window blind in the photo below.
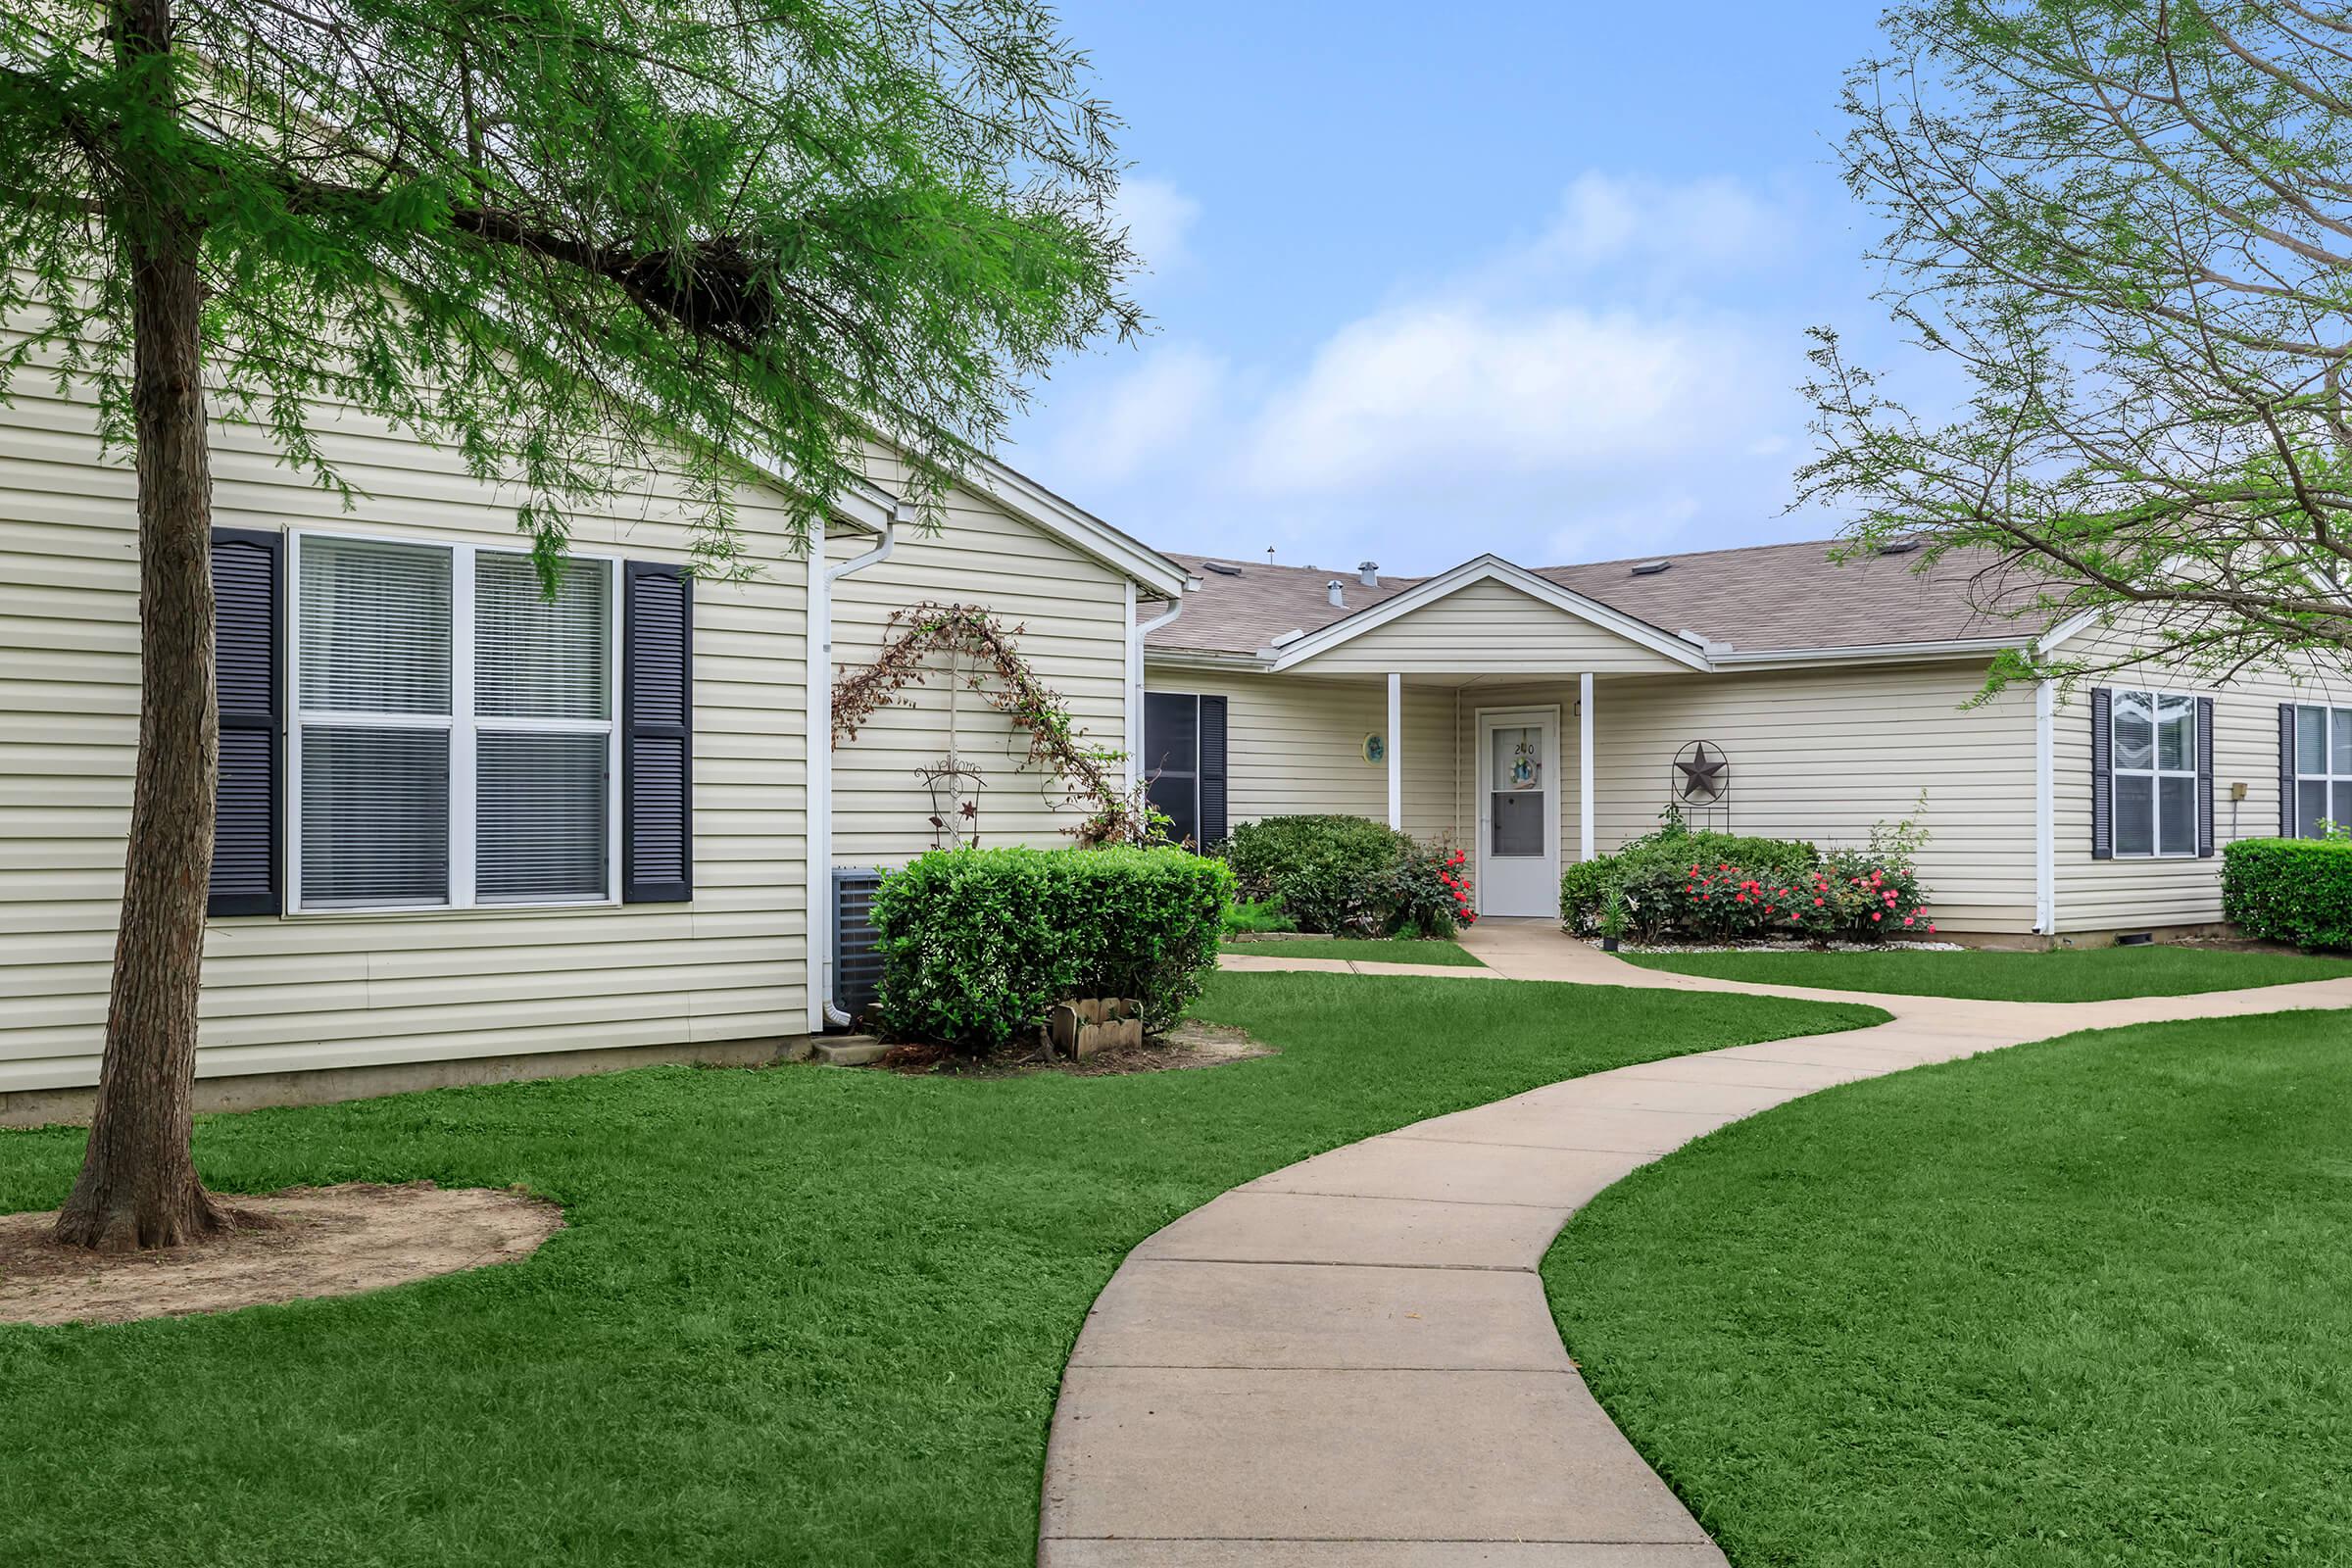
(375, 627)
(537, 658)
(542, 828)
(375, 816)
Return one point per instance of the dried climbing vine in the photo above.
(912, 634)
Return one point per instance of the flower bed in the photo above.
(1675, 886)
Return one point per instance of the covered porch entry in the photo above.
(1494, 679)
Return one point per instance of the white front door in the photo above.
(1519, 812)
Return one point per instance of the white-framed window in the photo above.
(453, 742)
(2323, 769)
(2153, 736)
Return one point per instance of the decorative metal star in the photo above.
(1702, 771)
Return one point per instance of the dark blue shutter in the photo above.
(1213, 771)
(248, 666)
(2287, 827)
(656, 735)
(2204, 777)
(2102, 776)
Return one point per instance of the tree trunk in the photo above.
(139, 1185)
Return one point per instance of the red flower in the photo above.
(1817, 904)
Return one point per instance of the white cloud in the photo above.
(1458, 388)
(1159, 220)
(1593, 391)
(1669, 230)
(1156, 407)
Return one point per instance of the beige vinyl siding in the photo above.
(1819, 754)
(352, 989)
(1296, 746)
(2139, 893)
(1067, 613)
(1486, 628)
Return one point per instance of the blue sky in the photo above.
(1523, 278)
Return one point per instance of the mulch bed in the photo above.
(319, 1241)
(1191, 1044)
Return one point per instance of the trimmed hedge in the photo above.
(977, 944)
(2290, 890)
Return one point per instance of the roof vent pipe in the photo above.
(1339, 599)
(1367, 572)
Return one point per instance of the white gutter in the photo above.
(1875, 653)
(1136, 634)
(2045, 808)
(821, 578)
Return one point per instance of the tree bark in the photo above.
(139, 1186)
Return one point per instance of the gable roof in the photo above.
(1488, 568)
(1759, 599)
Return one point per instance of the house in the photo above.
(467, 834)
(1538, 715)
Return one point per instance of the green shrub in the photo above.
(1424, 893)
(2290, 890)
(1675, 885)
(977, 944)
(1655, 881)
(1327, 872)
(1258, 917)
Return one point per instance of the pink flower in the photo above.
(1874, 916)
(1817, 904)
(1906, 919)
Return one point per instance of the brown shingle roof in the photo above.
(1762, 598)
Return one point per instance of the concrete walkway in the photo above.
(1350, 1363)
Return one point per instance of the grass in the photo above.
(800, 1316)
(2070, 1304)
(2066, 974)
(1371, 950)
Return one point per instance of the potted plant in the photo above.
(1612, 919)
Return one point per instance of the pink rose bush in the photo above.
(1679, 886)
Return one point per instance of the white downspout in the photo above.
(821, 577)
(2046, 808)
(1136, 633)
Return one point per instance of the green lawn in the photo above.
(2067, 974)
(2069, 1304)
(1383, 949)
(801, 1316)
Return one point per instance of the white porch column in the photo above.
(1584, 760)
(1396, 751)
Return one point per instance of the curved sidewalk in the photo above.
(1351, 1361)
